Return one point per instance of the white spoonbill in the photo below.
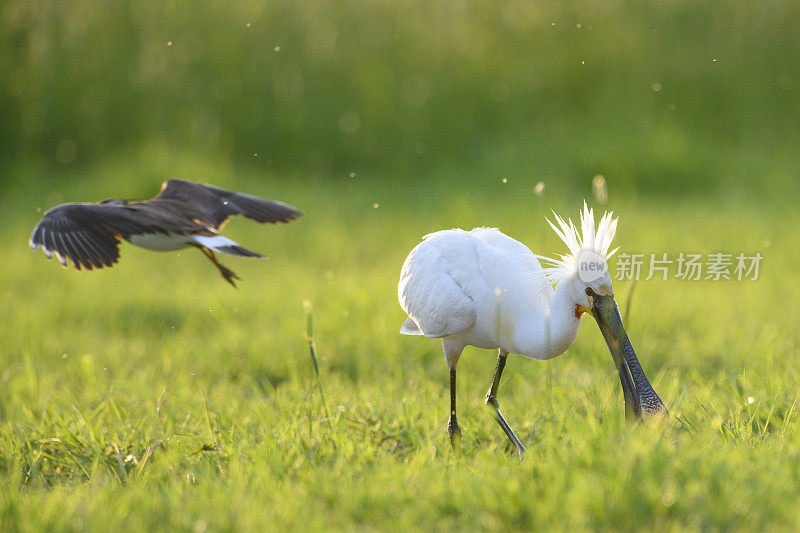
(482, 288)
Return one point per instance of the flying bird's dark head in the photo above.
(114, 201)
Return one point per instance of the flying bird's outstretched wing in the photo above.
(217, 204)
(89, 234)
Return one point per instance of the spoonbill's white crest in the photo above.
(482, 288)
(183, 214)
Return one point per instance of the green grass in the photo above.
(154, 396)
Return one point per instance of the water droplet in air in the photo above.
(277, 48)
(600, 189)
(668, 499)
(169, 43)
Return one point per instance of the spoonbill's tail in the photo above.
(409, 327)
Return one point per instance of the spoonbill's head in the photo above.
(583, 274)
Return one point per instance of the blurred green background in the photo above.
(658, 97)
(153, 396)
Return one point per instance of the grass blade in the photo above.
(312, 350)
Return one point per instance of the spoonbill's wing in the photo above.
(432, 291)
(512, 266)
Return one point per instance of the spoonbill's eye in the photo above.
(589, 291)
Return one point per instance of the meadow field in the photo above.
(153, 396)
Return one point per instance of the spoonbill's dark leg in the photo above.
(452, 423)
(227, 273)
(491, 399)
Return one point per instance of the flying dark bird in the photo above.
(183, 214)
(482, 288)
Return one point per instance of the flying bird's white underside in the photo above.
(166, 242)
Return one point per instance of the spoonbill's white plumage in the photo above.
(482, 288)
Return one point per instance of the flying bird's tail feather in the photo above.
(224, 245)
(238, 250)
